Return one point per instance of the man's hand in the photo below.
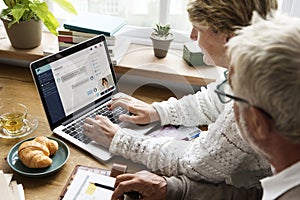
(149, 185)
(142, 113)
(100, 129)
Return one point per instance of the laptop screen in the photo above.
(74, 78)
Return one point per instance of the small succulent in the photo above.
(162, 31)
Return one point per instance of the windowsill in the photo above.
(136, 35)
(138, 60)
(141, 35)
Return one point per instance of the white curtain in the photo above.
(290, 7)
(144, 13)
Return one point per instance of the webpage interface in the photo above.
(75, 81)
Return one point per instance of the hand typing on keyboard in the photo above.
(142, 113)
(100, 129)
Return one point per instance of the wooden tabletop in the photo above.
(16, 83)
(139, 60)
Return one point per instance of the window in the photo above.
(290, 7)
(146, 13)
(143, 13)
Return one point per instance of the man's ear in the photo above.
(261, 125)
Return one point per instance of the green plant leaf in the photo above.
(42, 11)
(162, 31)
(18, 12)
(66, 5)
(4, 13)
(10, 3)
(34, 9)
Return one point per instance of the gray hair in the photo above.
(266, 60)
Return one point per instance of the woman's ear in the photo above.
(261, 124)
(229, 36)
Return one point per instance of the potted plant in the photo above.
(23, 21)
(161, 40)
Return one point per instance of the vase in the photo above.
(161, 45)
(25, 34)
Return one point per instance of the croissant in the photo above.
(35, 153)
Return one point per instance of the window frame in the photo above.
(140, 34)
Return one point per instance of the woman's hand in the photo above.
(150, 186)
(142, 113)
(100, 129)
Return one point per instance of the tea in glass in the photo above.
(12, 116)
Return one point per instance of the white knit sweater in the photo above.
(214, 156)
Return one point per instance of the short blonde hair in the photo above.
(266, 60)
(225, 16)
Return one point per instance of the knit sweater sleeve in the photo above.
(213, 156)
(202, 108)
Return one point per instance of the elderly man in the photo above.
(265, 80)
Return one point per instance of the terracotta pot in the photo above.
(25, 34)
(161, 46)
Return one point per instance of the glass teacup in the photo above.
(12, 116)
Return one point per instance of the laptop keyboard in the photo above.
(76, 131)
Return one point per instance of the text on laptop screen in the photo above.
(74, 81)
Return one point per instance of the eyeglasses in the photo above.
(225, 95)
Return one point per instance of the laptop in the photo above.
(75, 83)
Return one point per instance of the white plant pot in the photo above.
(161, 45)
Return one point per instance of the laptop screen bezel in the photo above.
(61, 54)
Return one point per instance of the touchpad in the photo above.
(99, 151)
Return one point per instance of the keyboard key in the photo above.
(75, 129)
